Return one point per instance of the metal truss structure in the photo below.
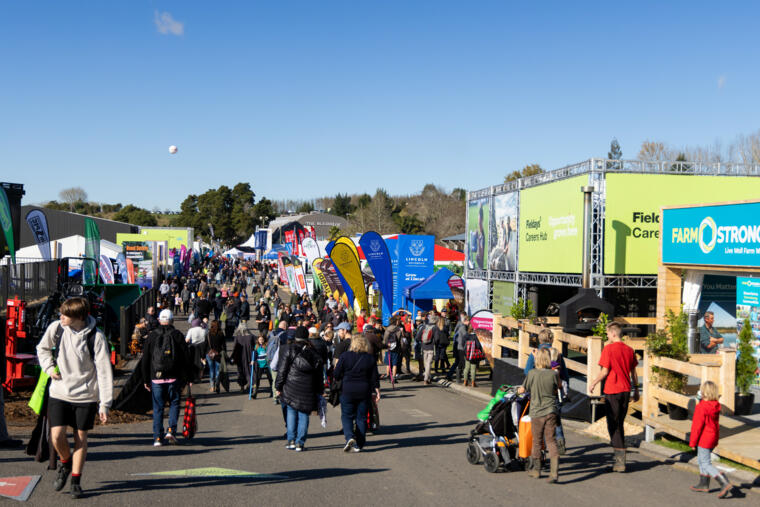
(596, 169)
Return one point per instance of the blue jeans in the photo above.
(354, 410)
(705, 463)
(160, 394)
(213, 370)
(298, 425)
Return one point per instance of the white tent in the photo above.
(250, 242)
(72, 246)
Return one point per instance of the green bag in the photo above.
(483, 414)
(223, 316)
(38, 396)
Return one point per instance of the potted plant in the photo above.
(746, 369)
(672, 343)
(600, 329)
(522, 309)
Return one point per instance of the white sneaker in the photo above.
(170, 438)
(291, 445)
(157, 443)
(356, 448)
(351, 443)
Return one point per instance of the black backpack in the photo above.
(394, 339)
(163, 357)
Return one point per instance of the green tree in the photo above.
(615, 154)
(342, 206)
(409, 224)
(681, 167)
(133, 215)
(264, 211)
(459, 193)
(242, 215)
(334, 233)
(305, 207)
(528, 170)
(746, 365)
(364, 200)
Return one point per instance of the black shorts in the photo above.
(80, 416)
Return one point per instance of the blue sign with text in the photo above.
(720, 235)
(414, 263)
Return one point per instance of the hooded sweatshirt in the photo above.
(82, 380)
(705, 429)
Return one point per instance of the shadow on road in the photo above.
(169, 483)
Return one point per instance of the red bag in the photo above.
(473, 351)
(190, 423)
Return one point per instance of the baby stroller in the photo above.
(495, 437)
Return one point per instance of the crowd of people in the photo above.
(305, 347)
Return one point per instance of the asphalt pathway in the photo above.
(418, 457)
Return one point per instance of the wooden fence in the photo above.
(590, 346)
(719, 368)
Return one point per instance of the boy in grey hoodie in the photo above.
(82, 384)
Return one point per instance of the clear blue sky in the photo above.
(305, 99)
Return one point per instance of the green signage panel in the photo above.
(632, 212)
(551, 227)
(503, 297)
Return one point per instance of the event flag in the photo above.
(289, 272)
(300, 278)
(333, 280)
(281, 268)
(349, 294)
(91, 250)
(130, 271)
(106, 269)
(311, 250)
(121, 261)
(38, 224)
(316, 267)
(7, 223)
(347, 263)
(379, 260)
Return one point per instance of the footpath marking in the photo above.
(18, 488)
(212, 472)
(413, 412)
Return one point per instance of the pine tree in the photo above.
(615, 153)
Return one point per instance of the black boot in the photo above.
(725, 486)
(704, 484)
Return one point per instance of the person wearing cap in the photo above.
(165, 374)
(344, 337)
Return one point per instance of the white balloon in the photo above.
(172, 149)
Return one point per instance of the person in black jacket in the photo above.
(299, 383)
(244, 312)
(441, 340)
(358, 370)
(166, 363)
(233, 318)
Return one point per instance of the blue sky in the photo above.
(305, 99)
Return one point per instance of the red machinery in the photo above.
(14, 362)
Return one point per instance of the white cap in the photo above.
(166, 316)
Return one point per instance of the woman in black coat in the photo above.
(358, 370)
(298, 385)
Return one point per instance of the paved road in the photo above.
(418, 457)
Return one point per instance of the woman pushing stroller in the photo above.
(543, 384)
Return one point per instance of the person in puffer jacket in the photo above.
(299, 384)
(705, 431)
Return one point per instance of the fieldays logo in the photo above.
(737, 239)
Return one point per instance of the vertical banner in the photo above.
(311, 250)
(91, 250)
(38, 224)
(379, 259)
(289, 272)
(316, 267)
(415, 261)
(343, 283)
(482, 324)
(456, 284)
(281, 268)
(130, 271)
(121, 261)
(478, 214)
(748, 307)
(106, 269)
(300, 277)
(6, 221)
(347, 264)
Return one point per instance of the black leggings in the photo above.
(259, 372)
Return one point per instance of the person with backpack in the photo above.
(473, 354)
(460, 333)
(441, 341)
(392, 341)
(277, 343)
(299, 384)
(76, 356)
(427, 340)
(165, 366)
